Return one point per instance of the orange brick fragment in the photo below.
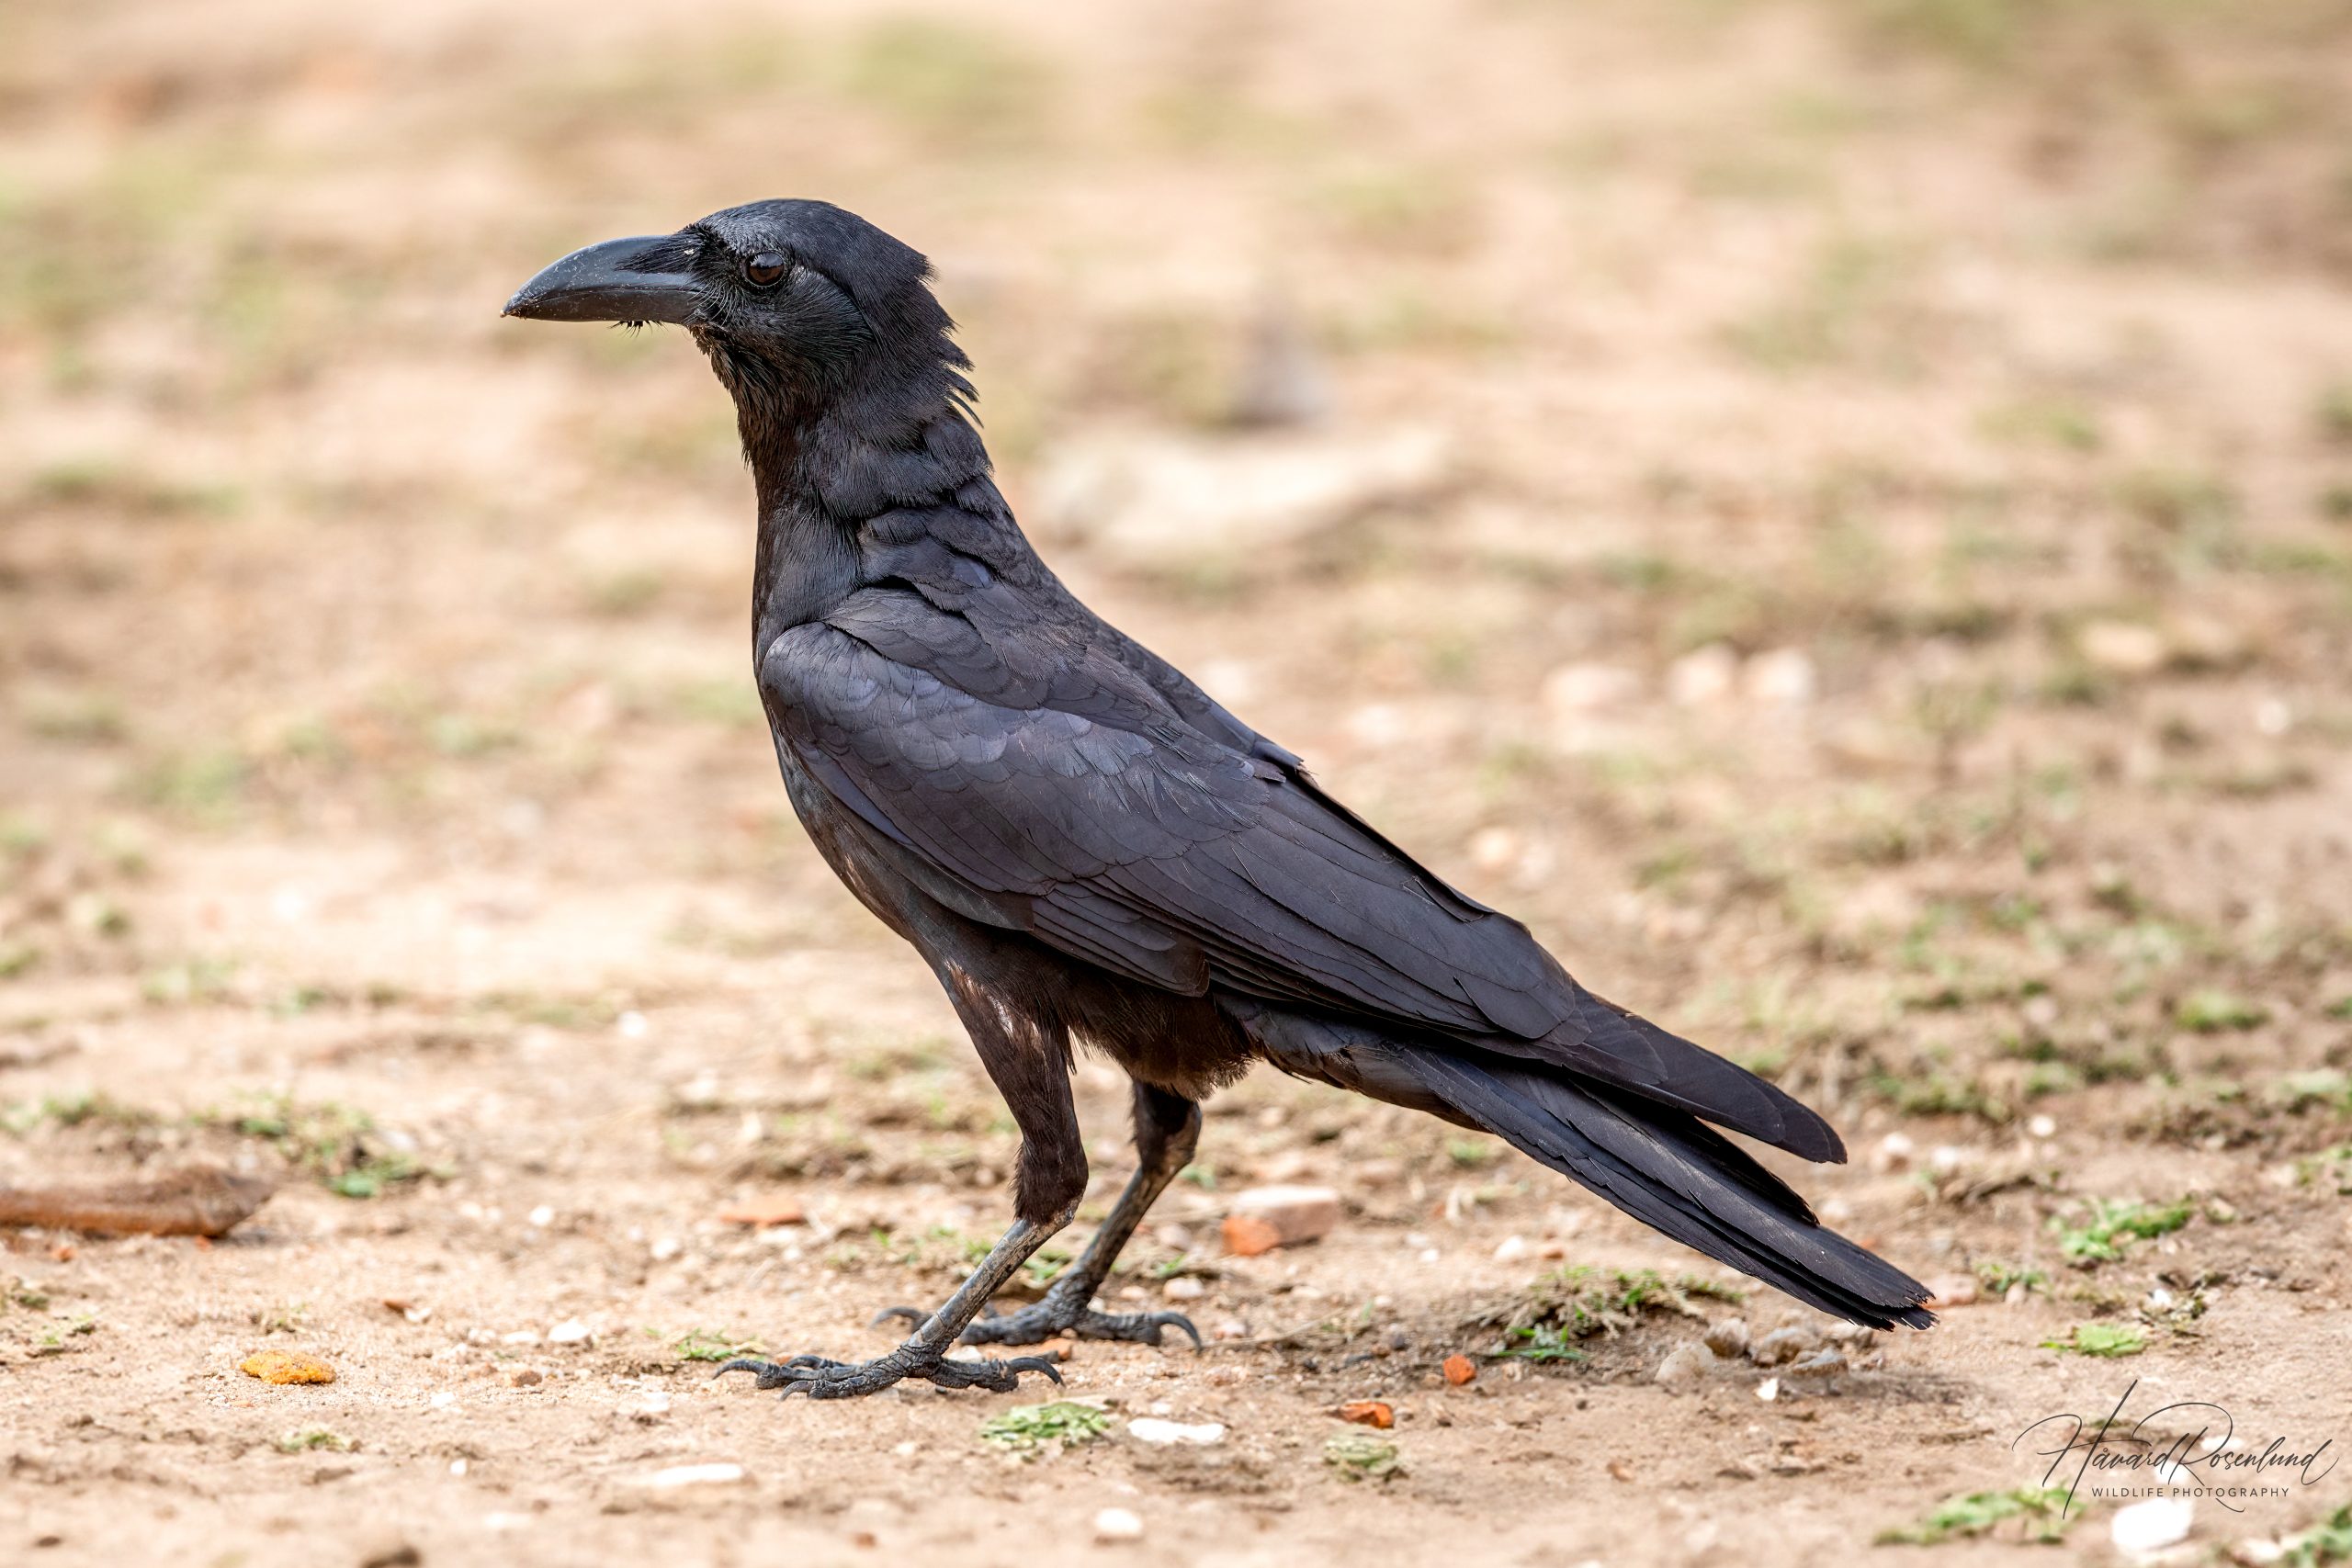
(280, 1366)
(765, 1211)
(1460, 1369)
(1247, 1235)
(1369, 1412)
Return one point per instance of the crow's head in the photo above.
(798, 303)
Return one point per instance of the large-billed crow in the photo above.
(1083, 845)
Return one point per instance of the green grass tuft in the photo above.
(2114, 1225)
(2042, 1508)
(1030, 1430)
(2104, 1339)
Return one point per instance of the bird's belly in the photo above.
(828, 827)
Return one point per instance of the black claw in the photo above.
(1160, 1320)
(1020, 1364)
(915, 1316)
(765, 1374)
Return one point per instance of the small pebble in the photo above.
(1511, 1249)
(1117, 1524)
(1728, 1338)
(570, 1331)
(1153, 1430)
(1183, 1288)
(680, 1475)
(1952, 1290)
(2145, 1528)
(1783, 1344)
(1263, 1218)
(1683, 1367)
(1780, 678)
(2121, 648)
(1820, 1364)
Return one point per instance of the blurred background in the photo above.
(1836, 512)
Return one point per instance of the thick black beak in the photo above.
(639, 279)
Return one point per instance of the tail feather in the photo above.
(1660, 1164)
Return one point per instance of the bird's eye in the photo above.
(761, 271)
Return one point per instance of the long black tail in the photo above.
(1662, 1166)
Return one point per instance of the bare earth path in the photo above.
(1836, 515)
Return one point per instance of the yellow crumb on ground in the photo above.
(279, 1366)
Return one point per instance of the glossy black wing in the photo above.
(1036, 779)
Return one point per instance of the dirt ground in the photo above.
(1839, 513)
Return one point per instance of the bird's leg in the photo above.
(1029, 1060)
(1167, 1128)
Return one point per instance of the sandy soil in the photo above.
(1836, 515)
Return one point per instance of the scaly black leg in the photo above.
(1167, 1129)
(1028, 1057)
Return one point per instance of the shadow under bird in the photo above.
(1083, 846)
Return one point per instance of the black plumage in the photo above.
(1081, 844)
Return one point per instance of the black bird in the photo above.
(1084, 846)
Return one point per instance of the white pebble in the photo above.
(1117, 1524)
(1783, 678)
(679, 1475)
(1702, 676)
(1183, 1288)
(1511, 1249)
(1768, 1390)
(2145, 1528)
(1581, 688)
(543, 1216)
(2042, 1127)
(570, 1331)
(1151, 1429)
(631, 1025)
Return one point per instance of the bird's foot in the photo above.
(821, 1379)
(1056, 1315)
